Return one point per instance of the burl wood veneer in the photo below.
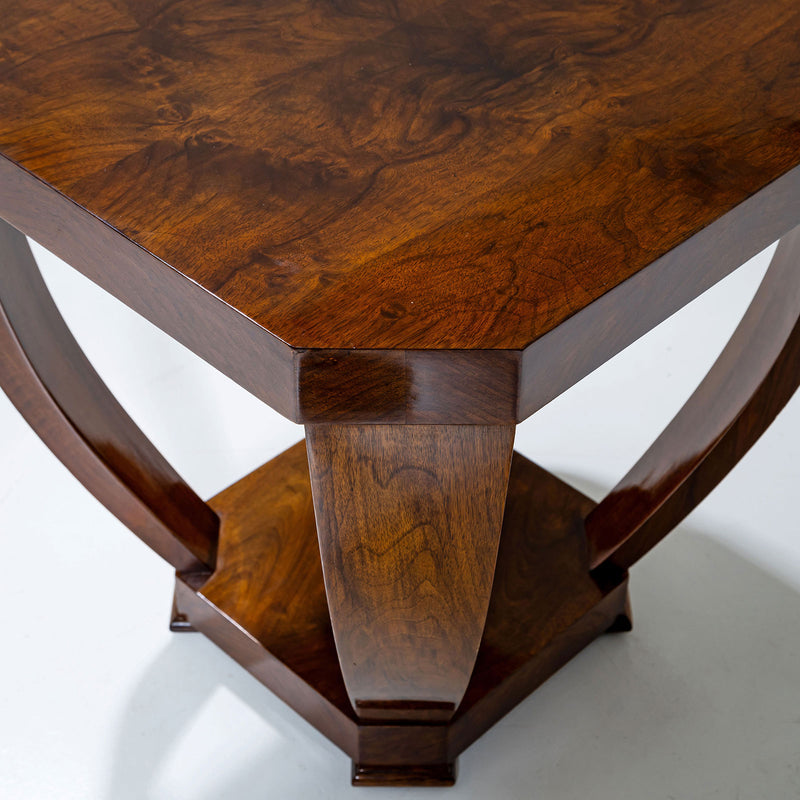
(408, 226)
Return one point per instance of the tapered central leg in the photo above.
(409, 521)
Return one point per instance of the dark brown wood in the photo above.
(409, 521)
(751, 381)
(47, 377)
(435, 775)
(545, 604)
(279, 183)
(266, 606)
(407, 225)
(408, 387)
(265, 603)
(178, 621)
(587, 340)
(624, 621)
(233, 344)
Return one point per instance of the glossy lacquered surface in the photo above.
(405, 177)
(46, 375)
(407, 226)
(751, 381)
(400, 654)
(142, 713)
(409, 520)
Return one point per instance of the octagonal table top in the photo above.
(447, 175)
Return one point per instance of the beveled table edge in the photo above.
(394, 386)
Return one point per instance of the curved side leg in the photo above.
(751, 381)
(409, 521)
(47, 377)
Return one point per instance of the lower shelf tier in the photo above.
(265, 605)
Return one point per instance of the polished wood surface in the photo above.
(751, 381)
(49, 380)
(266, 605)
(545, 603)
(408, 387)
(402, 177)
(409, 521)
(235, 345)
(269, 583)
(587, 340)
(408, 226)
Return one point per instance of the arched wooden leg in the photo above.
(751, 381)
(53, 385)
(409, 520)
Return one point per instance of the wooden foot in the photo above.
(434, 775)
(624, 621)
(179, 622)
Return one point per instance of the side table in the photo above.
(407, 227)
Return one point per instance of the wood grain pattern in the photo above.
(235, 345)
(751, 381)
(409, 520)
(47, 377)
(410, 176)
(408, 387)
(266, 606)
(438, 215)
(588, 339)
(545, 604)
(268, 584)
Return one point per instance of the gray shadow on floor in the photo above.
(702, 700)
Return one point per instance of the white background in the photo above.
(99, 700)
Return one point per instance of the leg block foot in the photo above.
(624, 621)
(403, 755)
(179, 622)
(424, 775)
